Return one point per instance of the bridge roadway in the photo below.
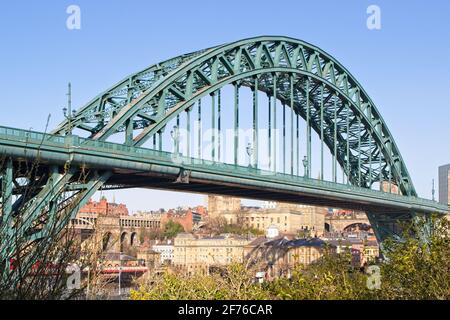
(146, 168)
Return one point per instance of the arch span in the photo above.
(293, 74)
(123, 241)
(305, 78)
(134, 241)
(357, 226)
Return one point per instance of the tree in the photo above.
(171, 229)
(219, 225)
(331, 277)
(155, 234)
(214, 225)
(235, 282)
(92, 256)
(142, 234)
(415, 268)
(36, 268)
(418, 267)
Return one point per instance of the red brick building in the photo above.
(187, 218)
(105, 208)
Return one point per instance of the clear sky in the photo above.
(404, 66)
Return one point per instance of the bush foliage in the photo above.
(412, 269)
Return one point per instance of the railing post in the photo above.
(71, 141)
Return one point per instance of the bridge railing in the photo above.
(199, 164)
(31, 135)
(323, 184)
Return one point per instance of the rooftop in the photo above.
(308, 242)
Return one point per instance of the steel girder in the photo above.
(300, 75)
(366, 150)
(100, 110)
(6, 192)
(393, 225)
(35, 211)
(388, 225)
(59, 215)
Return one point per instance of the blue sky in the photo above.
(404, 67)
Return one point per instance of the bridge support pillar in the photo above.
(38, 225)
(387, 225)
(393, 225)
(6, 209)
(6, 194)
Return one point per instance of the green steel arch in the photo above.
(300, 75)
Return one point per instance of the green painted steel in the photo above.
(188, 78)
(302, 77)
(108, 156)
(255, 126)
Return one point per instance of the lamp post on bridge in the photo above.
(68, 113)
(250, 151)
(175, 134)
(432, 190)
(305, 166)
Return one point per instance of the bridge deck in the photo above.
(146, 168)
